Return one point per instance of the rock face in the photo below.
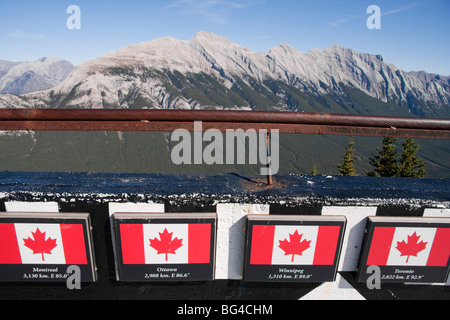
(210, 71)
(25, 77)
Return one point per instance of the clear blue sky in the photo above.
(414, 35)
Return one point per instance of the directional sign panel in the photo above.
(293, 248)
(164, 247)
(39, 247)
(406, 250)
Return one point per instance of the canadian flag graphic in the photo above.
(294, 245)
(23, 243)
(400, 246)
(165, 243)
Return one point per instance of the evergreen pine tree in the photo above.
(347, 167)
(410, 165)
(385, 164)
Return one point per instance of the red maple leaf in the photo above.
(166, 245)
(294, 246)
(412, 247)
(39, 244)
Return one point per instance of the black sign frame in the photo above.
(133, 273)
(43, 273)
(401, 274)
(290, 273)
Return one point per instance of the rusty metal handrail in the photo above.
(169, 120)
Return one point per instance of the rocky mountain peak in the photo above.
(212, 71)
(25, 77)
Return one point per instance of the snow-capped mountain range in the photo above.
(25, 77)
(210, 71)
